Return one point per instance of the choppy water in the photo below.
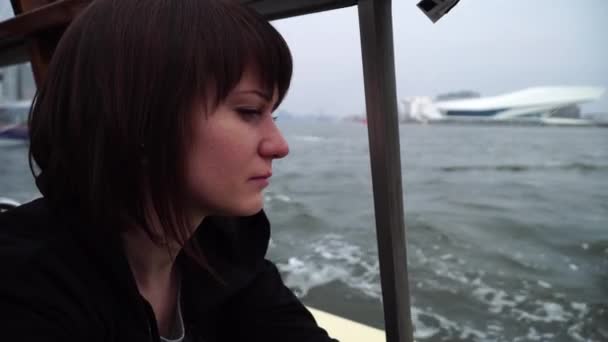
(507, 227)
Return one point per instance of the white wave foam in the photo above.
(333, 248)
(499, 301)
(534, 335)
(496, 299)
(446, 257)
(544, 284)
(547, 312)
(271, 197)
(428, 324)
(303, 276)
(283, 198)
(333, 259)
(575, 330)
(423, 332)
(581, 308)
(495, 328)
(542, 312)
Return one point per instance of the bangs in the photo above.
(245, 40)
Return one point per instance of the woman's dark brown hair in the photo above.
(110, 125)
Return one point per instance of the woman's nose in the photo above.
(274, 146)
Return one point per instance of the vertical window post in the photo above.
(375, 23)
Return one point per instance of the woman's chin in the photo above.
(247, 208)
(251, 209)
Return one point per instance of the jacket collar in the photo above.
(235, 248)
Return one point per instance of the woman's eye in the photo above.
(249, 113)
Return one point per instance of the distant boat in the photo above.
(13, 122)
(14, 132)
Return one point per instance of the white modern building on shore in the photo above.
(544, 104)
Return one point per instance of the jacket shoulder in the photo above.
(43, 294)
(27, 230)
(240, 242)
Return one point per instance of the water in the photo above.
(507, 227)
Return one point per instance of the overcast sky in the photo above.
(490, 46)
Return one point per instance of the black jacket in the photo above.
(62, 281)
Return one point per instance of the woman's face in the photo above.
(230, 161)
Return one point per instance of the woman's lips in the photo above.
(262, 181)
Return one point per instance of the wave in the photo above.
(590, 249)
(524, 168)
(332, 259)
(272, 197)
(431, 325)
(536, 307)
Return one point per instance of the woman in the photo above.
(152, 138)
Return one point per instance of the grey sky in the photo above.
(491, 46)
(6, 10)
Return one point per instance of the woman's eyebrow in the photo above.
(259, 93)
